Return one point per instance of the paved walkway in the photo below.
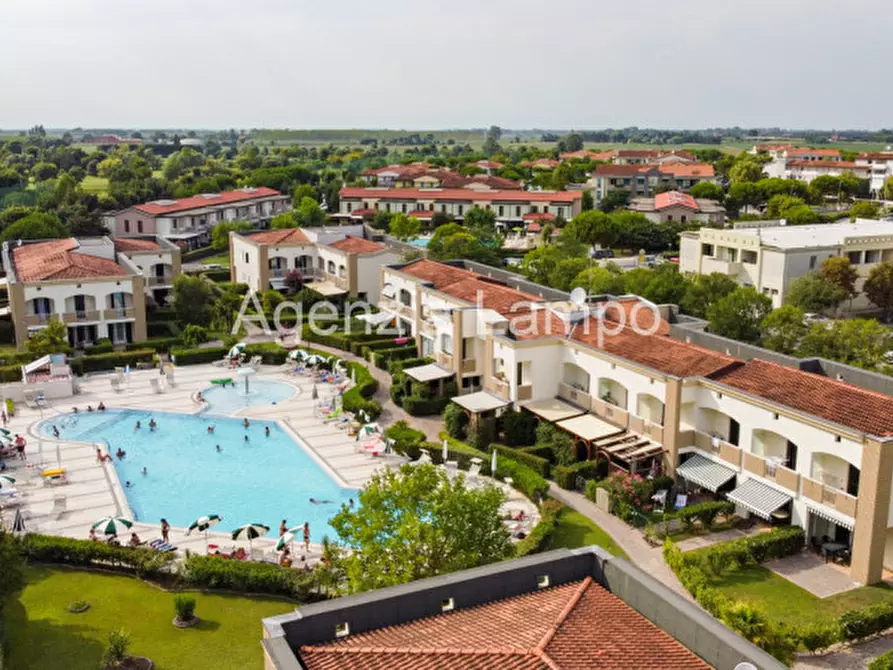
(856, 657)
(643, 555)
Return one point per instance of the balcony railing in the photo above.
(498, 386)
(611, 412)
(119, 313)
(837, 499)
(469, 365)
(164, 280)
(80, 316)
(37, 319)
(573, 394)
(717, 446)
(444, 359)
(277, 273)
(525, 392)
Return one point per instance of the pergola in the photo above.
(429, 373)
(552, 409)
(588, 428)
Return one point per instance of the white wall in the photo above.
(368, 269)
(247, 269)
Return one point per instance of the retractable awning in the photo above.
(376, 319)
(553, 409)
(831, 515)
(480, 401)
(589, 427)
(428, 373)
(704, 472)
(759, 498)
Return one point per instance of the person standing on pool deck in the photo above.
(165, 530)
(282, 528)
(306, 536)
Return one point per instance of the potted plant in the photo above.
(184, 606)
(78, 606)
(117, 658)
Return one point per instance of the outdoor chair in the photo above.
(60, 506)
(155, 385)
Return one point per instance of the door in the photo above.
(734, 432)
(791, 456)
(80, 306)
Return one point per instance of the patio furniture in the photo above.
(425, 457)
(452, 469)
(830, 550)
(60, 506)
(155, 386)
(660, 498)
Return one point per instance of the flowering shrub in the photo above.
(630, 495)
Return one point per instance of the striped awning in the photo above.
(704, 472)
(831, 515)
(759, 498)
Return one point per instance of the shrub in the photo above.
(455, 421)
(541, 534)
(194, 335)
(416, 406)
(405, 438)
(186, 356)
(566, 475)
(270, 352)
(819, 636)
(116, 651)
(50, 549)
(112, 360)
(184, 606)
(543, 451)
(882, 662)
(481, 434)
(705, 513)
(518, 427)
(524, 479)
(358, 397)
(396, 365)
(103, 346)
(561, 444)
(158, 344)
(590, 489)
(248, 576)
(778, 543)
(536, 463)
(383, 357)
(867, 621)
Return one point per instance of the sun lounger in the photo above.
(155, 386)
(161, 545)
(60, 506)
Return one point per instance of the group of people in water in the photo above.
(99, 408)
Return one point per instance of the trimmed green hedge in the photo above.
(11, 373)
(111, 361)
(536, 463)
(865, 622)
(159, 344)
(541, 534)
(705, 512)
(396, 365)
(882, 662)
(270, 353)
(184, 356)
(249, 576)
(383, 357)
(217, 275)
(566, 475)
(359, 397)
(51, 549)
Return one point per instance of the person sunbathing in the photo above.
(135, 540)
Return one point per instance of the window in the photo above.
(246, 256)
(139, 226)
(461, 209)
(501, 210)
(126, 226)
(669, 217)
(707, 249)
(403, 208)
(349, 207)
(443, 208)
(749, 257)
(330, 268)
(812, 261)
(446, 343)
(854, 256)
(405, 297)
(683, 218)
(873, 256)
(518, 210)
(731, 255)
(533, 209)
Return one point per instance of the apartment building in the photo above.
(807, 170)
(508, 205)
(650, 157)
(770, 257)
(335, 262)
(880, 169)
(675, 206)
(645, 180)
(188, 222)
(157, 259)
(784, 444)
(90, 284)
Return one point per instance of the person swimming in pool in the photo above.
(267, 431)
(138, 425)
(120, 453)
(320, 502)
(144, 471)
(152, 424)
(211, 429)
(245, 422)
(218, 449)
(55, 432)
(246, 438)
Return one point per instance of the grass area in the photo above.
(95, 185)
(41, 633)
(575, 530)
(786, 601)
(219, 259)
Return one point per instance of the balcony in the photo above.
(498, 386)
(469, 365)
(611, 412)
(710, 264)
(718, 447)
(165, 280)
(777, 473)
(444, 359)
(574, 395)
(829, 496)
(645, 427)
(525, 392)
(278, 273)
(80, 316)
(119, 313)
(37, 319)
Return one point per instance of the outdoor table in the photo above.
(831, 549)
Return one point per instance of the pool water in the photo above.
(420, 242)
(233, 398)
(264, 480)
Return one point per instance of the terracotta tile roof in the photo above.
(421, 213)
(773, 147)
(675, 199)
(824, 397)
(159, 207)
(363, 212)
(135, 244)
(688, 169)
(876, 156)
(57, 259)
(545, 163)
(493, 165)
(806, 151)
(538, 216)
(576, 626)
(637, 153)
(827, 165)
(459, 194)
(586, 154)
(281, 236)
(493, 181)
(357, 245)
(612, 170)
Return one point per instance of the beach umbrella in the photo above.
(204, 522)
(314, 359)
(112, 525)
(18, 525)
(297, 354)
(314, 394)
(285, 540)
(250, 531)
(237, 350)
(7, 482)
(5, 432)
(446, 451)
(493, 464)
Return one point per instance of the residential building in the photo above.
(806, 163)
(650, 157)
(564, 610)
(880, 169)
(770, 257)
(89, 284)
(807, 170)
(644, 180)
(509, 205)
(810, 154)
(157, 259)
(773, 150)
(424, 176)
(188, 222)
(488, 166)
(335, 262)
(587, 155)
(541, 164)
(784, 444)
(681, 207)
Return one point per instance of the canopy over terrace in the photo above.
(552, 409)
(588, 428)
(480, 404)
(429, 373)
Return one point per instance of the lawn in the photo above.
(219, 259)
(575, 530)
(41, 633)
(786, 601)
(95, 185)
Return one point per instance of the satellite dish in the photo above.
(578, 296)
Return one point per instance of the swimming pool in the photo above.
(420, 242)
(264, 480)
(233, 398)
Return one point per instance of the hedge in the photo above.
(359, 397)
(249, 576)
(184, 356)
(705, 512)
(541, 450)
(882, 662)
(198, 254)
(270, 353)
(217, 275)
(396, 365)
(536, 463)
(100, 348)
(407, 440)
(159, 344)
(566, 475)
(11, 373)
(111, 361)
(383, 357)
(51, 549)
(541, 534)
(417, 406)
(867, 621)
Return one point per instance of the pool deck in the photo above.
(93, 489)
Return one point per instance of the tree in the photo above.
(220, 233)
(491, 144)
(840, 272)
(746, 169)
(302, 191)
(180, 162)
(566, 270)
(382, 220)
(309, 214)
(598, 280)
(778, 204)
(636, 280)
(35, 226)
(887, 190)
(573, 142)
(783, 329)
(405, 227)
(478, 217)
(414, 523)
(294, 281)
(592, 228)
(50, 340)
(192, 300)
(704, 290)
(814, 293)
(865, 210)
(740, 314)
(271, 299)
(284, 220)
(707, 190)
(879, 287)
(194, 335)
(613, 199)
(224, 310)
(587, 203)
(455, 241)
(667, 286)
(860, 342)
(744, 194)
(44, 171)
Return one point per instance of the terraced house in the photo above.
(786, 445)
(96, 286)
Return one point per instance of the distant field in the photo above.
(95, 185)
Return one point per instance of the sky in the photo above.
(433, 65)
